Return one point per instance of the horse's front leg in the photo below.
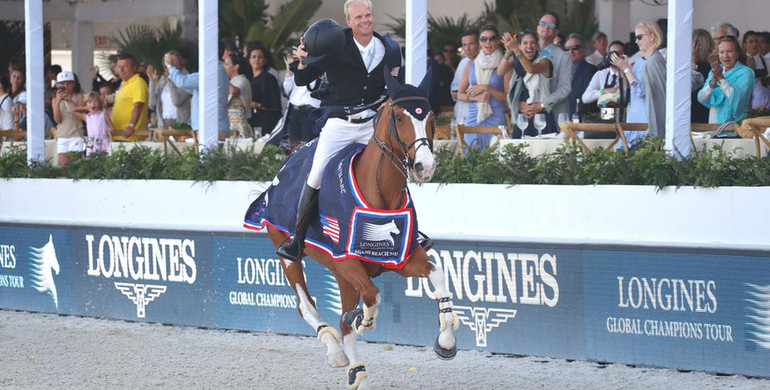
(349, 297)
(419, 266)
(360, 319)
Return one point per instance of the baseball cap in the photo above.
(22, 98)
(65, 75)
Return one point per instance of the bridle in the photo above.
(408, 162)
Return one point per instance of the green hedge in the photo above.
(648, 164)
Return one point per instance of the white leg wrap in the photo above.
(370, 317)
(446, 314)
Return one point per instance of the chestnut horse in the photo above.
(400, 142)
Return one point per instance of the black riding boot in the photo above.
(306, 209)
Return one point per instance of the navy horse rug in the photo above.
(346, 227)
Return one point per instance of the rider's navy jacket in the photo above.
(347, 81)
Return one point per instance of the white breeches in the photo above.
(336, 135)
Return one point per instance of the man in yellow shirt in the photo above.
(129, 112)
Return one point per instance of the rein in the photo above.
(406, 161)
(402, 162)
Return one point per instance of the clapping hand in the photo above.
(511, 42)
(620, 61)
(152, 73)
(716, 67)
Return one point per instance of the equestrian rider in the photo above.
(355, 88)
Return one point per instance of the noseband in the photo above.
(408, 162)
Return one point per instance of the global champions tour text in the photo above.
(669, 295)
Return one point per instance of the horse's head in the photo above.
(411, 125)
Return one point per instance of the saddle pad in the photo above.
(346, 226)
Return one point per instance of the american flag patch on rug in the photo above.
(331, 228)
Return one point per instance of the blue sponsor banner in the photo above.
(510, 298)
(35, 271)
(685, 310)
(705, 310)
(147, 275)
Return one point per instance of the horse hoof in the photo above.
(356, 375)
(337, 360)
(443, 353)
(353, 318)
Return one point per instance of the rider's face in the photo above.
(360, 19)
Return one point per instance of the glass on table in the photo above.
(540, 123)
(563, 120)
(522, 122)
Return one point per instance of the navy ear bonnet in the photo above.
(417, 108)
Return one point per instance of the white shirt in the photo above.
(597, 84)
(299, 95)
(375, 51)
(169, 109)
(6, 116)
(461, 107)
(594, 58)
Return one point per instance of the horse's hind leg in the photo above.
(328, 335)
(419, 266)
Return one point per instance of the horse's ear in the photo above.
(425, 83)
(393, 85)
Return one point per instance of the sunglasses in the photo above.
(574, 47)
(549, 24)
(639, 36)
(489, 38)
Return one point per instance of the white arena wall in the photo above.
(728, 217)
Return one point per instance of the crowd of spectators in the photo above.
(532, 79)
(543, 77)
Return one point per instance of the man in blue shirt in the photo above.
(189, 82)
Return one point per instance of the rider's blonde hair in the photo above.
(367, 3)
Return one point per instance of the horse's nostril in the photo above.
(418, 168)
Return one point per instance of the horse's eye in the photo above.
(398, 119)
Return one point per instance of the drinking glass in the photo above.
(563, 119)
(522, 122)
(540, 123)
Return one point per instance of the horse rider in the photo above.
(354, 60)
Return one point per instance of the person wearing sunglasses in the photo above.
(528, 83)
(483, 88)
(560, 83)
(582, 72)
(647, 82)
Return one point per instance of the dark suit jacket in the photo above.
(347, 81)
(580, 80)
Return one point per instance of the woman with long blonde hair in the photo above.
(647, 81)
(702, 47)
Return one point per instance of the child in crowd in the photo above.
(98, 123)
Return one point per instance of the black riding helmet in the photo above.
(324, 37)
